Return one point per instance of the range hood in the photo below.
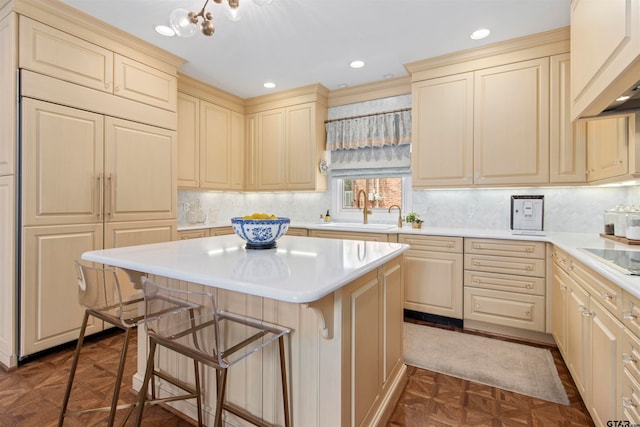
(629, 100)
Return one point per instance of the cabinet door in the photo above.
(300, 147)
(392, 317)
(567, 152)
(251, 154)
(8, 294)
(188, 140)
(511, 125)
(605, 40)
(237, 151)
(140, 165)
(578, 334)
(8, 47)
(607, 141)
(270, 153)
(559, 292)
(433, 283)
(50, 312)
(606, 365)
(62, 160)
(442, 149)
(139, 82)
(58, 54)
(215, 146)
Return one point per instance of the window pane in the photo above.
(380, 192)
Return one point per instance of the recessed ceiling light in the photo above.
(269, 85)
(388, 76)
(342, 86)
(356, 64)
(480, 34)
(165, 30)
(622, 98)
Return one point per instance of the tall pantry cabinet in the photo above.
(96, 162)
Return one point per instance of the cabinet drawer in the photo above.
(193, 234)
(349, 235)
(510, 248)
(139, 82)
(506, 265)
(61, 55)
(630, 398)
(602, 290)
(561, 259)
(433, 243)
(630, 357)
(505, 308)
(297, 232)
(220, 231)
(631, 313)
(505, 282)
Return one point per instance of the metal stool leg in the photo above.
(285, 388)
(72, 372)
(221, 386)
(145, 383)
(116, 387)
(196, 369)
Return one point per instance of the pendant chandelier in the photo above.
(185, 23)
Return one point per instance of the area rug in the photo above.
(514, 367)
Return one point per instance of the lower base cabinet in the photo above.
(596, 346)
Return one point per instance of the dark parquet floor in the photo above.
(30, 395)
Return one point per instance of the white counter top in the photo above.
(572, 243)
(299, 270)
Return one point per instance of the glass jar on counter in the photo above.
(633, 223)
(610, 221)
(620, 228)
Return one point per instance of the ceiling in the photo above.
(299, 42)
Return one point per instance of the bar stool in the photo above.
(215, 338)
(102, 297)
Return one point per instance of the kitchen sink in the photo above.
(356, 226)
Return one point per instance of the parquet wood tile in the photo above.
(30, 396)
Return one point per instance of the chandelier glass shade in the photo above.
(185, 23)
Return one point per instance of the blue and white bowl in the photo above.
(260, 233)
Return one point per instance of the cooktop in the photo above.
(628, 262)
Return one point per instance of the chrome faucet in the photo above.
(399, 214)
(365, 210)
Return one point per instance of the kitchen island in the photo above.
(343, 300)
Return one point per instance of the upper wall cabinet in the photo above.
(511, 123)
(567, 152)
(286, 141)
(57, 54)
(211, 138)
(482, 117)
(605, 53)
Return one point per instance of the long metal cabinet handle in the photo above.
(110, 205)
(100, 196)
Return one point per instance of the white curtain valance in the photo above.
(376, 130)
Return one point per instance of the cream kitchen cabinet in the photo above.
(504, 283)
(488, 113)
(84, 167)
(372, 341)
(286, 141)
(193, 234)
(596, 347)
(567, 152)
(442, 121)
(7, 269)
(433, 275)
(605, 53)
(211, 138)
(58, 54)
(511, 133)
(8, 37)
(351, 235)
(608, 146)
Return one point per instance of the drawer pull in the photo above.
(628, 359)
(529, 285)
(529, 268)
(627, 403)
(449, 245)
(605, 296)
(529, 250)
(563, 287)
(627, 315)
(587, 313)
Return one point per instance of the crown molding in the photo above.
(370, 91)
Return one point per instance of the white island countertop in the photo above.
(299, 270)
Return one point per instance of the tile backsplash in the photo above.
(576, 209)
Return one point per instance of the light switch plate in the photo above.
(527, 213)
